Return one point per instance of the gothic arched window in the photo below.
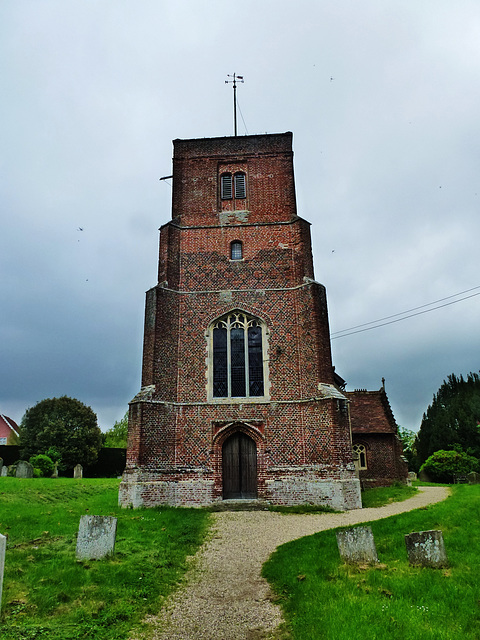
(361, 452)
(237, 357)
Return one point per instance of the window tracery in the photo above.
(237, 363)
(361, 452)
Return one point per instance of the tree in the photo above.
(452, 419)
(116, 437)
(443, 466)
(65, 425)
(408, 439)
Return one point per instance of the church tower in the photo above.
(238, 399)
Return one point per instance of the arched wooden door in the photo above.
(239, 460)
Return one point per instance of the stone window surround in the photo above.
(209, 362)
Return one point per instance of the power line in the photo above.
(241, 115)
(429, 304)
(357, 329)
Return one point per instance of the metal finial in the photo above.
(234, 82)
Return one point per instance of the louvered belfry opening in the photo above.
(233, 186)
(240, 186)
(226, 187)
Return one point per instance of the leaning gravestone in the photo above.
(3, 546)
(357, 546)
(96, 537)
(426, 549)
(24, 469)
(78, 471)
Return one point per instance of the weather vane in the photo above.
(234, 81)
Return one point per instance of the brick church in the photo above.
(239, 397)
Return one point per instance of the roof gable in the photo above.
(7, 426)
(370, 412)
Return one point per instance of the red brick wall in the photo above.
(384, 462)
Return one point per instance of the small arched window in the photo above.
(237, 361)
(361, 452)
(236, 250)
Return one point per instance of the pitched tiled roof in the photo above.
(8, 424)
(370, 412)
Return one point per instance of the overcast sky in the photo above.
(383, 98)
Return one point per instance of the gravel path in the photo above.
(224, 597)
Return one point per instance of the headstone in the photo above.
(1, 466)
(96, 537)
(78, 471)
(357, 546)
(473, 477)
(24, 469)
(3, 546)
(426, 549)
(55, 471)
(412, 475)
(4, 472)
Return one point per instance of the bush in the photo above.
(44, 464)
(443, 466)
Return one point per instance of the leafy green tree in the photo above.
(408, 439)
(452, 419)
(443, 466)
(116, 437)
(65, 425)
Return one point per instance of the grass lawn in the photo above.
(379, 496)
(325, 599)
(49, 595)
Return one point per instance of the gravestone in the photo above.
(426, 549)
(96, 537)
(55, 471)
(4, 472)
(1, 466)
(357, 546)
(3, 546)
(473, 477)
(24, 469)
(78, 471)
(412, 475)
